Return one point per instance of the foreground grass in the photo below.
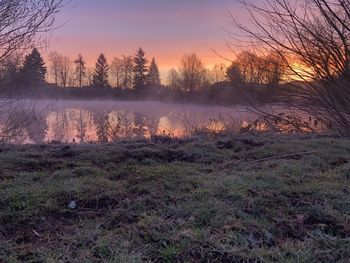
(195, 200)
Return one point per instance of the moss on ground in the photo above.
(190, 200)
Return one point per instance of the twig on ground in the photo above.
(36, 233)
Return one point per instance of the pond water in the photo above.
(106, 121)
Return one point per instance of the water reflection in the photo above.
(96, 122)
(78, 125)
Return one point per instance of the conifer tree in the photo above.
(100, 75)
(153, 74)
(80, 70)
(140, 70)
(34, 70)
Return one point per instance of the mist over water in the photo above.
(107, 121)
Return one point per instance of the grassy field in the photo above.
(193, 200)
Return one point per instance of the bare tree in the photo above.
(233, 73)
(10, 69)
(89, 74)
(260, 69)
(117, 70)
(22, 20)
(219, 73)
(312, 37)
(127, 72)
(60, 69)
(274, 68)
(250, 66)
(192, 71)
(64, 71)
(54, 60)
(80, 70)
(174, 79)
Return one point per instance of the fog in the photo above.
(69, 121)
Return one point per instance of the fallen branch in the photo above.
(271, 158)
(280, 157)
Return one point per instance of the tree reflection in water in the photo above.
(83, 124)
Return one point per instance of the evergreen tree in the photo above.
(140, 70)
(153, 74)
(100, 75)
(34, 70)
(80, 70)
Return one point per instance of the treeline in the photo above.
(135, 77)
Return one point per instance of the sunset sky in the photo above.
(166, 29)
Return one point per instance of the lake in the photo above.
(108, 121)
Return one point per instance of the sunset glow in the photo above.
(164, 29)
(300, 72)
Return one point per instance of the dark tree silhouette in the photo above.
(192, 72)
(64, 70)
(260, 69)
(127, 71)
(233, 73)
(100, 75)
(117, 71)
(312, 38)
(153, 78)
(140, 70)
(80, 70)
(21, 20)
(10, 71)
(60, 68)
(218, 73)
(174, 81)
(34, 70)
(54, 66)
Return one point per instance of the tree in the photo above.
(257, 69)
(311, 37)
(89, 75)
(54, 59)
(192, 72)
(100, 75)
(275, 68)
(21, 20)
(219, 73)
(34, 70)
(127, 71)
(233, 73)
(80, 70)
(117, 69)
(174, 80)
(250, 67)
(10, 68)
(153, 78)
(64, 71)
(60, 68)
(140, 70)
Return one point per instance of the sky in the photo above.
(165, 29)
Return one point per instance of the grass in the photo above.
(165, 200)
